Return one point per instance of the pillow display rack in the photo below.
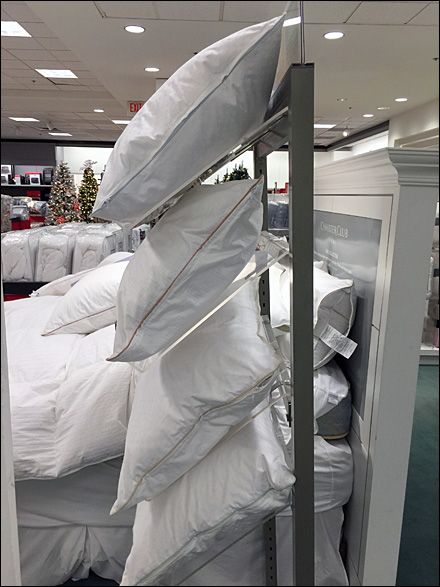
(210, 103)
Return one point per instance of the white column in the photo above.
(10, 559)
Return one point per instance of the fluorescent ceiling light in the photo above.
(383, 107)
(98, 110)
(61, 73)
(121, 121)
(152, 69)
(400, 99)
(134, 28)
(292, 21)
(23, 119)
(319, 125)
(367, 115)
(60, 134)
(10, 28)
(236, 148)
(333, 35)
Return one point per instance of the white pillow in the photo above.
(330, 388)
(61, 286)
(187, 400)
(334, 309)
(90, 305)
(59, 428)
(333, 306)
(242, 481)
(196, 117)
(185, 262)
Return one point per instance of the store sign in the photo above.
(134, 107)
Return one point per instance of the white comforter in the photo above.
(17, 262)
(69, 406)
(91, 247)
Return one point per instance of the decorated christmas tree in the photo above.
(239, 172)
(63, 205)
(87, 191)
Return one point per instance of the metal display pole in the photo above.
(301, 117)
(270, 534)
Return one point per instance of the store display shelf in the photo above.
(429, 354)
(27, 186)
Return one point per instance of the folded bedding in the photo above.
(69, 406)
(54, 257)
(17, 262)
(91, 247)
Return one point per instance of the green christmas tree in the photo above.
(87, 191)
(63, 205)
(239, 172)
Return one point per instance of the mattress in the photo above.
(65, 529)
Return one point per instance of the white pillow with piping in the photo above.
(188, 399)
(334, 308)
(241, 482)
(184, 264)
(195, 118)
(90, 305)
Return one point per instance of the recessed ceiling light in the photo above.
(292, 21)
(367, 115)
(98, 110)
(400, 99)
(345, 133)
(341, 99)
(319, 125)
(134, 28)
(23, 119)
(383, 107)
(152, 69)
(60, 73)
(333, 35)
(10, 28)
(60, 134)
(121, 121)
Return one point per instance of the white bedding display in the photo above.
(66, 414)
(65, 530)
(48, 253)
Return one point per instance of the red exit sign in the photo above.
(134, 107)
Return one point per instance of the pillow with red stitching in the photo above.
(185, 263)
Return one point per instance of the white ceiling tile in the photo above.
(188, 10)
(6, 55)
(29, 73)
(328, 12)
(91, 116)
(65, 55)
(20, 43)
(39, 29)
(127, 9)
(11, 83)
(5, 15)
(52, 44)
(13, 64)
(428, 16)
(20, 12)
(35, 55)
(75, 65)
(251, 11)
(385, 12)
(41, 64)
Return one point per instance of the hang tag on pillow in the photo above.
(338, 342)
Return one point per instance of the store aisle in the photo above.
(418, 562)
